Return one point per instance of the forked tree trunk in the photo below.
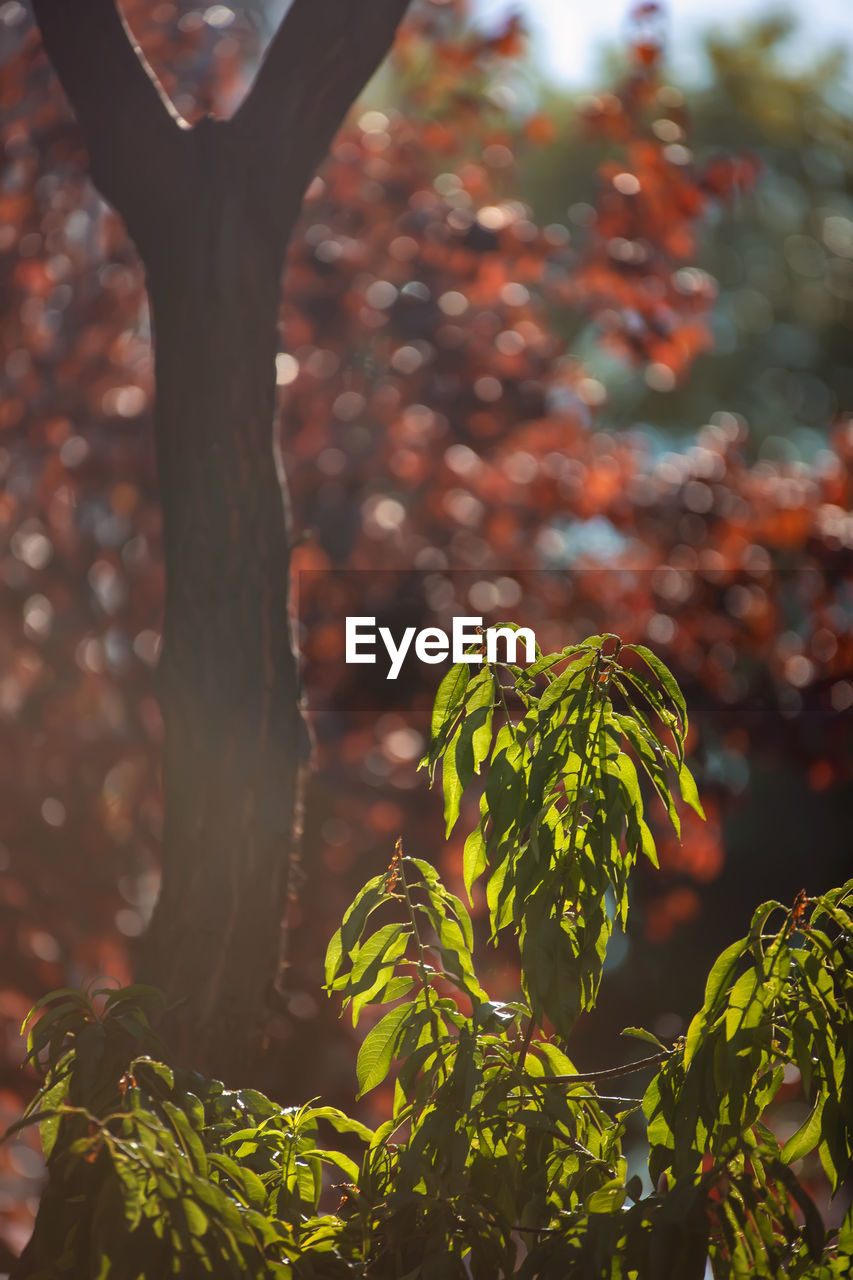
(211, 210)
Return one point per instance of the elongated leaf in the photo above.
(481, 703)
(572, 677)
(189, 1140)
(658, 704)
(722, 972)
(75, 997)
(807, 1137)
(449, 696)
(341, 1122)
(689, 790)
(608, 1199)
(451, 785)
(473, 859)
(640, 1033)
(667, 680)
(368, 898)
(346, 1165)
(197, 1220)
(248, 1184)
(375, 948)
(377, 1049)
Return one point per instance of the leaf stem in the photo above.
(429, 992)
(422, 965)
(525, 1044)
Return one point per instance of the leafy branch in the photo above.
(490, 1138)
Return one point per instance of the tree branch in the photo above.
(132, 129)
(319, 60)
(613, 1073)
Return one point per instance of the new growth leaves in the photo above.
(435, 941)
(562, 815)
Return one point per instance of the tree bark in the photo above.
(234, 740)
(211, 210)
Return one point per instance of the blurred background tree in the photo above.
(783, 262)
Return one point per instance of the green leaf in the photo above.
(138, 994)
(647, 843)
(666, 679)
(368, 898)
(562, 684)
(556, 1059)
(75, 998)
(50, 1024)
(607, 1199)
(658, 704)
(640, 1033)
(456, 905)
(479, 708)
(376, 948)
(197, 1220)
(722, 972)
(393, 990)
(340, 1122)
(746, 1003)
(451, 785)
(346, 1165)
(158, 1069)
(807, 1137)
(189, 1140)
(247, 1183)
(49, 1120)
(649, 753)
(377, 1049)
(689, 790)
(628, 776)
(505, 787)
(375, 984)
(470, 744)
(450, 694)
(473, 859)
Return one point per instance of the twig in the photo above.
(611, 1074)
(525, 1044)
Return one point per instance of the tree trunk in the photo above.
(235, 742)
(211, 210)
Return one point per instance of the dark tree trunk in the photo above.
(234, 742)
(211, 210)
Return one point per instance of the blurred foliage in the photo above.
(783, 263)
(498, 1157)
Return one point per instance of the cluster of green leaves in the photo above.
(157, 1172)
(773, 1000)
(498, 1157)
(561, 813)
